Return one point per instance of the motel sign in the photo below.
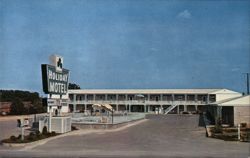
(55, 78)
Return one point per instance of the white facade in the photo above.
(224, 94)
(237, 109)
(147, 100)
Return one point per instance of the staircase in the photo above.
(171, 107)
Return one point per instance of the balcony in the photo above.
(137, 102)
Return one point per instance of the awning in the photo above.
(97, 106)
(108, 107)
(103, 106)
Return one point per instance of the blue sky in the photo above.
(126, 44)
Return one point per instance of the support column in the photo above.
(196, 107)
(148, 99)
(106, 97)
(94, 95)
(129, 108)
(219, 109)
(185, 99)
(85, 97)
(178, 109)
(117, 107)
(126, 102)
(196, 97)
(74, 102)
(145, 108)
(185, 107)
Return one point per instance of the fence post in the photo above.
(239, 131)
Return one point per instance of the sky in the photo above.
(126, 43)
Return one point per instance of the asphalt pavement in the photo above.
(9, 128)
(160, 136)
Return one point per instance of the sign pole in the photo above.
(60, 105)
(112, 116)
(50, 118)
(22, 129)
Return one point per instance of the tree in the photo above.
(8, 95)
(37, 107)
(73, 86)
(17, 107)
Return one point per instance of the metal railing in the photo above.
(82, 118)
(136, 102)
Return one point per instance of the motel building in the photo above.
(232, 111)
(149, 100)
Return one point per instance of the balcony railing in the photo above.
(137, 102)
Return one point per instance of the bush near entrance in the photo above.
(33, 136)
(230, 134)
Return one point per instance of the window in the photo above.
(212, 98)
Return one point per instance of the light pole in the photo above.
(112, 115)
(247, 83)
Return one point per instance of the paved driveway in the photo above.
(160, 136)
(8, 127)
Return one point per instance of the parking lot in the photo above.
(159, 136)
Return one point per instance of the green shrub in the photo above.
(243, 125)
(45, 131)
(217, 129)
(229, 130)
(38, 133)
(48, 134)
(32, 134)
(53, 133)
(42, 136)
(13, 138)
(73, 128)
(30, 138)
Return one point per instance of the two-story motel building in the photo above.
(147, 100)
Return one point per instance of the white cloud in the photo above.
(185, 14)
